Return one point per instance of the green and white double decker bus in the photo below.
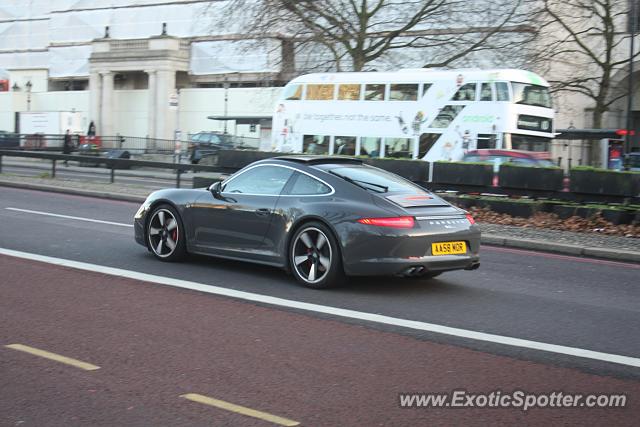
(415, 114)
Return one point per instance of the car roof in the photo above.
(320, 160)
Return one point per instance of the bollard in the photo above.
(0, 164)
(178, 172)
(113, 174)
(53, 168)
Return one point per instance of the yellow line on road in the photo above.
(52, 356)
(239, 409)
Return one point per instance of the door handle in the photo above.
(263, 212)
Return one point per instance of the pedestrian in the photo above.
(67, 145)
(91, 133)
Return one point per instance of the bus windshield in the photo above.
(526, 94)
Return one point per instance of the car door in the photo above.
(239, 218)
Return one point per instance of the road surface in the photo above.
(315, 366)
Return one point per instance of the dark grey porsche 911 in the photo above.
(320, 217)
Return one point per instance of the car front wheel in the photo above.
(165, 234)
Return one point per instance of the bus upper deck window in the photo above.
(349, 92)
(466, 93)
(403, 92)
(319, 92)
(293, 93)
(485, 92)
(502, 91)
(425, 88)
(374, 92)
(529, 94)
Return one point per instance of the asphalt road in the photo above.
(581, 303)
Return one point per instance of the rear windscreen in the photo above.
(378, 177)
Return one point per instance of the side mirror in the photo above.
(216, 189)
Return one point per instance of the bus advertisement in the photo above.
(414, 114)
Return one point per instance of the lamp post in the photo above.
(634, 25)
(28, 85)
(225, 85)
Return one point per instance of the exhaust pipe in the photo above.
(473, 266)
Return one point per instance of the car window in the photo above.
(376, 179)
(215, 139)
(262, 180)
(522, 161)
(305, 185)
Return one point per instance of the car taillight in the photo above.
(394, 222)
(470, 218)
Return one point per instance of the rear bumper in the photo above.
(400, 266)
(371, 251)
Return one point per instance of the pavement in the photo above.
(144, 182)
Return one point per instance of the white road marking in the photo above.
(340, 312)
(77, 218)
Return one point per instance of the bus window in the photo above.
(374, 92)
(403, 92)
(315, 144)
(399, 148)
(349, 92)
(446, 116)
(345, 145)
(319, 92)
(531, 95)
(485, 92)
(485, 140)
(502, 91)
(465, 93)
(370, 146)
(427, 140)
(530, 143)
(293, 93)
(425, 88)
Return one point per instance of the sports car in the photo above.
(321, 218)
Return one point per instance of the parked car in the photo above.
(320, 217)
(203, 144)
(518, 157)
(634, 161)
(9, 139)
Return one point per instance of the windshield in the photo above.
(376, 180)
(526, 94)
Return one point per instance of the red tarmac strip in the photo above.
(155, 343)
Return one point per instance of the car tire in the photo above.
(165, 234)
(314, 257)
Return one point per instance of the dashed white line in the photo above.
(340, 312)
(77, 218)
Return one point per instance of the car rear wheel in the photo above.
(314, 257)
(165, 234)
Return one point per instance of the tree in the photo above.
(362, 34)
(586, 47)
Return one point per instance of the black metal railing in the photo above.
(134, 144)
(113, 163)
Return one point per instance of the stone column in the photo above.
(106, 127)
(152, 107)
(165, 117)
(95, 89)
